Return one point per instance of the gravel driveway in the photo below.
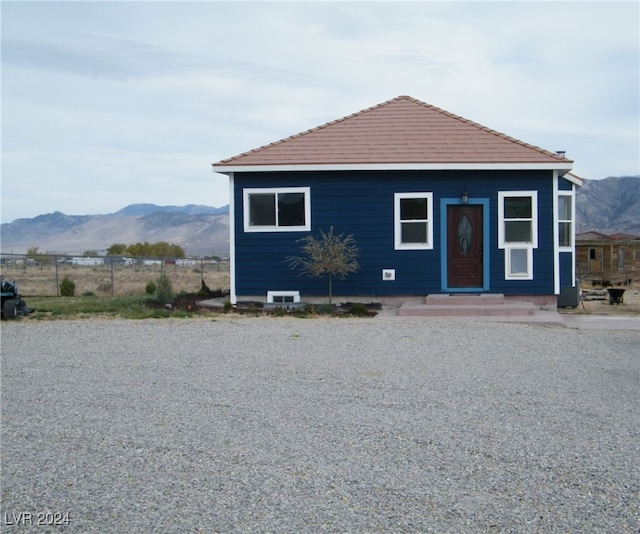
(238, 424)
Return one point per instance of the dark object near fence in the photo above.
(12, 303)
(615, 295)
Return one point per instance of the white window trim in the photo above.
(569, 247)
(508, 246)
(534, 218)
(272, 294)
(507, 263)
(276, 190)
(397, 226)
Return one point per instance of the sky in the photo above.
(106, 104)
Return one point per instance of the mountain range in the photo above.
(609, 206)
(199, 230)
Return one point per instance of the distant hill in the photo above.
(609, 206)
(199, 230)
(189, 209)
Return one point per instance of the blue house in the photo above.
(436, 204)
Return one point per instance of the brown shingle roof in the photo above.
(400, 131)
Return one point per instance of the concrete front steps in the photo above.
(479, 307)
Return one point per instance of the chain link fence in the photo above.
(42, 274)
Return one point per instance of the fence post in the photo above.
(55, 260)
(112, 288)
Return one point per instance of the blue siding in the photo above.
(361, 204)
(564, 185)
(566, 269)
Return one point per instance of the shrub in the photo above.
(204, 289)
(329, 254)
(359, 310)
(325, 309)
(227, 307)
(150, 288)
(104, 287)
(67, 287)
(164, 290)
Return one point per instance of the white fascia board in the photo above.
(575, 180)
(561, 167)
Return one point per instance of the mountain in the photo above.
(189, 209)
(199, 230)
(609, 206)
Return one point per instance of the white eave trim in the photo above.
(575, 180)
(562, 168)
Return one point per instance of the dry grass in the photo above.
(630, 306)
(127, 280)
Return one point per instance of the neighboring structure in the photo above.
(436, 204)
(608, 259)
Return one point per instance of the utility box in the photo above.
(569, 296)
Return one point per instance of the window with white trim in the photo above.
(565, 220)
(413, 215)
(283, 297)
(518, 263)
(286, 209)
(518, 232)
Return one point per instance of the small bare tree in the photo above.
(328, 254)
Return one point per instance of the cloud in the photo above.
(107, 103)
(97, 56)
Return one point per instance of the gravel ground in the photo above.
(239, 424)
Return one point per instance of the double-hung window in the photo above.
(286, 209)
(518, 232)
(413, 221)
(565, 221)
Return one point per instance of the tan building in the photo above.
(608, 259)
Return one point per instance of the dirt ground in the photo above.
(124, 280)
(630, 307)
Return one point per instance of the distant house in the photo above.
(119, 260)
(608, 259)
(436, 204)
(83, 261)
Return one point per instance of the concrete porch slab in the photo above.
(540, 317)
(510, 309)
(466, 298)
